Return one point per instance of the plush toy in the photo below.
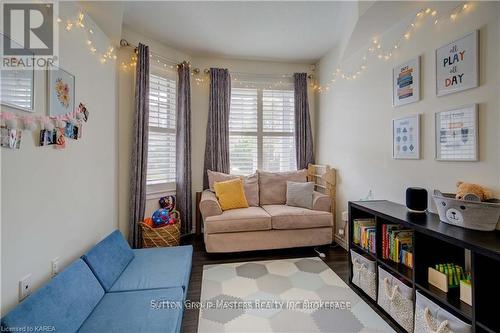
(472, 192)
(167, 202)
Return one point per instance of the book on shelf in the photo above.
(397, 244)
(364, 232)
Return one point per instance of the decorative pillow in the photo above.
(272, 185)
(299, 194)
(231, 194)
(250, 184)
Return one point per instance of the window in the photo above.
(261, 130)
(162, 129)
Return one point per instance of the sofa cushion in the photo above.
(62, 305)
(236, 220)
(108, 258)
(288, 217)
(230, 194)
(272, 185)
(250, 184)
(137, 311)
(156, 268)
(299, 194)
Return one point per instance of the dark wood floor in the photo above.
(336, 258)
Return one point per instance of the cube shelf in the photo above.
(434, 243)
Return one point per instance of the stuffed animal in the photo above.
(167, 202)
(472, 192)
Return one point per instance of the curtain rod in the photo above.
(284, 76)
(125, 43)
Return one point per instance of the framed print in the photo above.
(17, 86)
(406, 138)
(61, 92)
(406, 82)
(457, 65)
(457, 134)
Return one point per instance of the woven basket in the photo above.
(168, 235)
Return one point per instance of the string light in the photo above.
(80, 22)
(382, 54)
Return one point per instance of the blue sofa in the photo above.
(112, 288)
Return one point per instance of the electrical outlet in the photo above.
(24, 287)
(341, 232)
(345, 216)
(55, 266)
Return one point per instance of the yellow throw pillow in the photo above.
(231, 194)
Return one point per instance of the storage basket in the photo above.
(396, 298)
(474, 215)
(364, 274)
(430, 318)
(168, 235)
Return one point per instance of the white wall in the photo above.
(199, 111)
(59, 203)
(354, 126)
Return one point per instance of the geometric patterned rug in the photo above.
(291, 295)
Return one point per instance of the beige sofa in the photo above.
(270, 225)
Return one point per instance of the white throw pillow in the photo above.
(299, 194)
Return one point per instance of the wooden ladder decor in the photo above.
(324, 178)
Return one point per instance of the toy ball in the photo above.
(161, 217)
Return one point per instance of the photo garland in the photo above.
(53, 130)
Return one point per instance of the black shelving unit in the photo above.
(435, 242)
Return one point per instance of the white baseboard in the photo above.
(342, 242)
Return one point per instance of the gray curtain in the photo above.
(140, 146)
(217, 142)
(183, 149)
(303, 132)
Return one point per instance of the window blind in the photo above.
(17, 88)
(162, 130)
(261, 130)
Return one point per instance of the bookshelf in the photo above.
(436, 242)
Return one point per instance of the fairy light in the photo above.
(375, 47)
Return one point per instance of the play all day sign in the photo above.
(457, 65)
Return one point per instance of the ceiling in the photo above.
(272, 30)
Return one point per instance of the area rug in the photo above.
(291, 295)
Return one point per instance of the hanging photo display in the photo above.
(406, 82)
(406, 137)
(10, 137)
(457, 134)
(457, 65)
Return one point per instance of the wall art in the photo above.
(61, 92)
(457, 65)
(406, 137)
(457, 134)
(406, 82)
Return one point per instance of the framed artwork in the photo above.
(406, 137)
(457, 65)
(61, 91)
(457, 134)
(406, 82)
(17, 86)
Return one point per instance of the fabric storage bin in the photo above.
(431, 318)
(396, 298)
(364, 274)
